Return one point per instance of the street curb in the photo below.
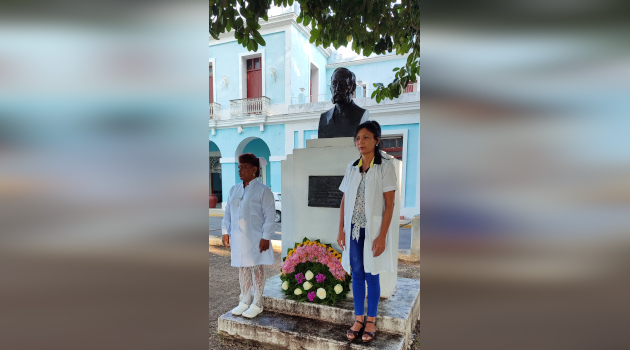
(405, 255)
(216, 212)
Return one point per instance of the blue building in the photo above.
(269, 102)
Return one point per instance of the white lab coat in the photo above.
(379, 179)
(249, 222)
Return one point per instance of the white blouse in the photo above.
(358, 216)
(379, 179)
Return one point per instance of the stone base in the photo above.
(293, 325)
(298, 333)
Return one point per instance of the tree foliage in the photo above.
(372, 26)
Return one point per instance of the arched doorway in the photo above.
(259, 148)
(215, 172)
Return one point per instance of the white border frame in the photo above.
(403, 172)
(242, 66)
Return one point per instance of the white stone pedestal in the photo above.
(322, 157)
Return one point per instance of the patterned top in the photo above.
(358, 215)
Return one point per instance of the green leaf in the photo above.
(259, 39)
(254, 45)
(315, 33)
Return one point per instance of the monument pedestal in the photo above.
(290, 324)
(323, 164)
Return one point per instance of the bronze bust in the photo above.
(345, 116)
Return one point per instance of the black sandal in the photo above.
(371, 334)
(353, 332)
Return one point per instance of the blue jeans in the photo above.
(359, 277)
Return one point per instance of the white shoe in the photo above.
(253, 311)
(240, 309)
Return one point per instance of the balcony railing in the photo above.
(296, 100)
(249, 106)
(214, 110)
(304, 99)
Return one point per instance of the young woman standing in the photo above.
(367, 207)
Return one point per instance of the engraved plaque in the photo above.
(323, 191)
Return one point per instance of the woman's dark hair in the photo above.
(375, 128)
(250, 158)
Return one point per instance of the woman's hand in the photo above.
(263, 245)
(341, 240)
(378, 247)
(226, 241)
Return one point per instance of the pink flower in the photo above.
(311, 296)
(314, 254)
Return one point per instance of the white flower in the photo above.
(309, 275)
(297, 291)
(307, 285)
(321, 293)
(338, 288)
(285, 285)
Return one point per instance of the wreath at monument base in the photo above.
(312, 272)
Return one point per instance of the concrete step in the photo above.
(295, 332)
(397, 314)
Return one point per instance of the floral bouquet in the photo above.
(312, 272)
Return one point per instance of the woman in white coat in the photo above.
(247, 225)
(367, 207)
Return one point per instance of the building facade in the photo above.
(269, 102)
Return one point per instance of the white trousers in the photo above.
(251, 277)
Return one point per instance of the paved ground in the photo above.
(214, 222)
(224, 290)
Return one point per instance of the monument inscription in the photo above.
(323, 191)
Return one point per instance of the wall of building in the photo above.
(410, 159)
(302, 54)
(290, 53)
(370, 73)
(231, 144)
(259, 148)
(308, 135)
(226, 63)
